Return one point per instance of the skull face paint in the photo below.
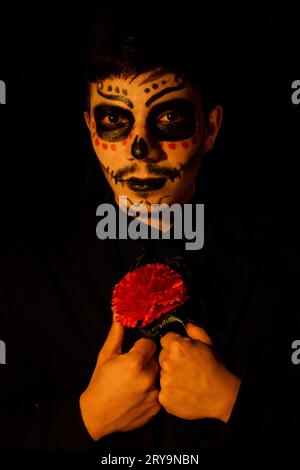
(148, 135)
(172, 120)
(113, 123)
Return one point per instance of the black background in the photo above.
(46, 158)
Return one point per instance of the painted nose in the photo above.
(139, 148)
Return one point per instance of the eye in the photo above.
(170, 117)
(113, 120)
(172, 120)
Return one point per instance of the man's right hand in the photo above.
(122, 394)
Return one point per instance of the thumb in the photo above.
(195, 332)
(113, 342)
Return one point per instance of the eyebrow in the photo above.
(121, 98)
(164, 92)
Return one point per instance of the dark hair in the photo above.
(131, 41)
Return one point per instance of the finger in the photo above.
(145, 347)
(152, 363)
(165, 340)
(163, 379)
(153, 367)
(162, 357)
(162, 373)
(113, 342)
(195, 332)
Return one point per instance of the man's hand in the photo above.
(122, 394)
(194, 383)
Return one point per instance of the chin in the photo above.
(167, 195)
(151, 197)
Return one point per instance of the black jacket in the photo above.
(55, 315)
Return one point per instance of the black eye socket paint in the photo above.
(172, 120)
(113, 123)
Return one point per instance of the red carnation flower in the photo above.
(147, 293)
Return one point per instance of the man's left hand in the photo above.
(194, 383)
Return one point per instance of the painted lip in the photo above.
(145, 184)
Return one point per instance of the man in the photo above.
(67, 383)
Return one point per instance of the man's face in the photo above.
(149, 136)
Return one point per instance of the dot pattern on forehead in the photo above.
(117, 97)
(116, 90)
(180, 84)
(155, 85)
(97, 142)
(104, 146)
(113, 147)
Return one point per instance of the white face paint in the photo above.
(149, 136)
